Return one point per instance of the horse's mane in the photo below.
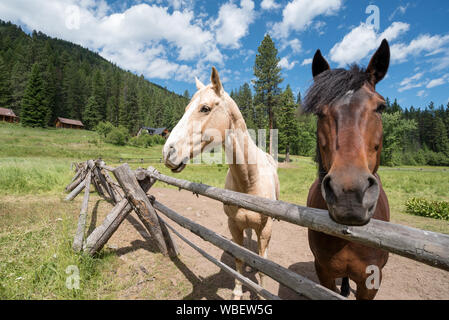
(331, 85)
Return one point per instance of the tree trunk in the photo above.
(287, 153)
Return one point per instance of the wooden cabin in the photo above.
(8, 115)
(69, 123)
(163, 132)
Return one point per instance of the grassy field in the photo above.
(36, 226)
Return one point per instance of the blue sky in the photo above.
(172, 41)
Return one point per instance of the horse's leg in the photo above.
(326, 280)
(263, 240)
(247, 241)
(237, 237)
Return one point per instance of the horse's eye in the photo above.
(381, 108)
(204, 109)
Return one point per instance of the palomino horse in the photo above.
(216, 116)
(349, 143)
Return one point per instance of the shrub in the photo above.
(117, 136)
(426, 208)
(158, 140)
(142, 141)
(104, 128)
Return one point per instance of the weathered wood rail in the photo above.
(425, 246)
(130, 193)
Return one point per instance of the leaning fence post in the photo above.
(141, 205)
(72, 195)
(79, 236)
(101, 235)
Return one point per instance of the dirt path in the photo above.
(193, 277)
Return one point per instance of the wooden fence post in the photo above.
(142, 206)
(79, 236)
(77, 181)
(72, 195)
(102, 181)
(101, 235)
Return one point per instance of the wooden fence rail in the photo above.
(425, 246)
(130, 193)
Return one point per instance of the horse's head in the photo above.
(203, 124)
(349, 135)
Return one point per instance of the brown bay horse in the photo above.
(349, 144)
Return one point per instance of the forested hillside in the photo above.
(67, 80)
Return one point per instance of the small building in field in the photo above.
(69, 123)
(8, 115)
(163, 132)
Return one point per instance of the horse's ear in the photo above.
(319, 64)
(199, 84)
(378, 65)
(216, 83)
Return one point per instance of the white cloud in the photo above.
(422, 93)
(411, 82)
(294, 44)
(283, 63)
(400, 9)
(407, 81)
(233, 22)
(269, 4)
(138, 38)
(307, 62)
(362, 40)
(424, 43)
(438, 82)
(435, 83)
(299, 14)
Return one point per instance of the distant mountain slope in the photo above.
(80, 84)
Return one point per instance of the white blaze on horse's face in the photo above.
(203, 124)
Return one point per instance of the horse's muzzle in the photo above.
(351, 201)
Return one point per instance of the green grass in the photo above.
(51, 143)
(37, 227)
(35, 253)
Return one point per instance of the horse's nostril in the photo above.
(171, 150)
(328, 192)
(371, 182)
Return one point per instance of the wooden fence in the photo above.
(130, 193)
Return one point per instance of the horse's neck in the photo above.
(244, 164)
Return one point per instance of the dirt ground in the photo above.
(193, 277)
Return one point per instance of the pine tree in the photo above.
(129, 108)
(268, 78)
(299, 99)
(288, 126)
(90, 115)
(99, 92)
(246, 105)
(19, 80)
(35, 111)
(5, 88)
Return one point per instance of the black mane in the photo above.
(331, 85)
